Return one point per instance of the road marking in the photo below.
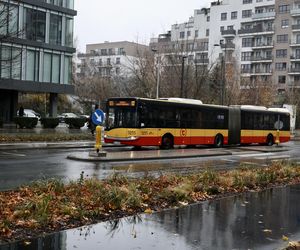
(255, 155)
(13, 154)
(274, 157)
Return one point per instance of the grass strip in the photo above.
(51, 205)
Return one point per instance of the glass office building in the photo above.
(36, 49)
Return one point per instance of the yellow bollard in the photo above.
(98, 145)
(277, 140)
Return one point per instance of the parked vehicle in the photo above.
(30, 113)
(66, 115)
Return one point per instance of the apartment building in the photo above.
(261, 36)
(36, 51)
(109, 59)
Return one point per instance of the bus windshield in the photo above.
(121, 117)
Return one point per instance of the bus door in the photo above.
(234, 125)
(184, 121)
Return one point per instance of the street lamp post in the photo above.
(157, 73)
(223, 70)
(182, 75)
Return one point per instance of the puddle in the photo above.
(250, 221)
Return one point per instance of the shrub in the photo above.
(75, 122)
(26, 122)
(49, 122)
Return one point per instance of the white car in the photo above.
(66, 115)
(30, 113)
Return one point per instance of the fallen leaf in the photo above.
(148, 211)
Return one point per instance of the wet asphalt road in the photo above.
(19, 167)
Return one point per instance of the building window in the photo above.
(247, 1)
(55, 69)
(118, 60)
(285, 23)
(47, 67)
(32, 65)
(55, 29)
(281, 79)
(246, 56)
(181, 34)
(280, 66)
(196, 33)
(282, 38)
(67, 69)
(103, 52)
(35, 25)
(230, 27)
(247, 42)
(188, 33)
(284, 9)
(118, 71)
(9, 19)
(281, 53)
(207, 18)
(207, 32)
(108, 61)
(245, 68)
(69, 32)
(222, 28)
(223, 16)
(234, 15)
(246, 13)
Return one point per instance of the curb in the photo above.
(109, 159)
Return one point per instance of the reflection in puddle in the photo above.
(249, 221)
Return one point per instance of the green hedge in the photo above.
(75, 122)
(26, 122)
(49, 122)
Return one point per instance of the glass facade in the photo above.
(55, 29)
(35, 63)
(35, 25)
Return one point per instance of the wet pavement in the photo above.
(249, 221)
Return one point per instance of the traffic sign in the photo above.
(98, 117)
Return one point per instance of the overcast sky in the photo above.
(131, 20)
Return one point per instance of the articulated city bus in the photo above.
(175, 121)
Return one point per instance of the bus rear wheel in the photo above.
(167, 142)
(218, 143)
(270, 140)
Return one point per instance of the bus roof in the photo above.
(182, 100)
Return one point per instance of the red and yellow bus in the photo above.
(175, 121)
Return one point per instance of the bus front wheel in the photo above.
(218, 143)
(270, 140)
(167, 142)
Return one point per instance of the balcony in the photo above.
(262, 72)
(202, 61)
(256, 30)
(294, 71)
(262, 59)
(228, 33)
(295, 12)
(228, 46)
(267, 45)
(295, 27)
(294, 43)
(295, 58)
(263, 16)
